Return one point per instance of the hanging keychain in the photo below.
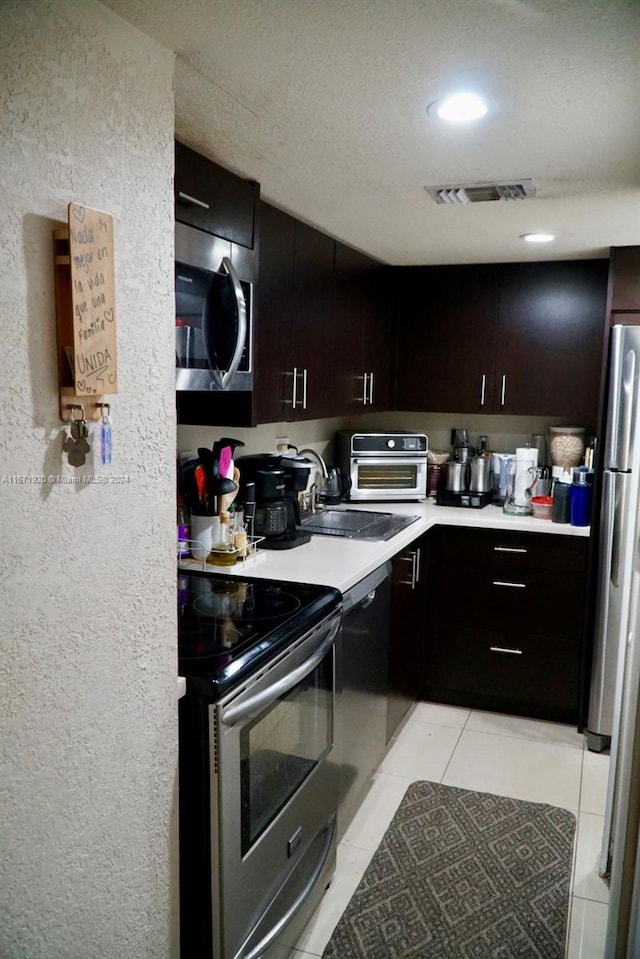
(105, 436)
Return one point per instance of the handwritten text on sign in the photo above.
(93, 299)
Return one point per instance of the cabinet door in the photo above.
(348, 330)
(445, 345)
(273, 344)
(312, 341)
(376, 347)
(362, 333)
(550, 339)
(624, 280)
(406, 642)
(213, 199)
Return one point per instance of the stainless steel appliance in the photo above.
(618, 517)
(259, 761)
(364, 687)
(382, 467)
(213, 297)
(614, 699)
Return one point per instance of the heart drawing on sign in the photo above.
(81, 385)
(79, 213)
(108, 315)
(111, 377)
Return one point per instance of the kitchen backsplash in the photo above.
(504, 433)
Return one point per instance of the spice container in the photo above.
(223, 552)
(183, 529)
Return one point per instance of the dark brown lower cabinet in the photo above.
(407, 649)
(508, 621)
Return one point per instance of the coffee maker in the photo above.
(276, 480)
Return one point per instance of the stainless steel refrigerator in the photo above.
(615, 683)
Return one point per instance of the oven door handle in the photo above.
(238, 712)
(298, 901)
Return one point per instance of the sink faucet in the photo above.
(316, 456)
(313, 489)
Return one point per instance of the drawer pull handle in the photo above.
(505, 649)
(500, 582)
(509, 549)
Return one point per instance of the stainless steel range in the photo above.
(259, 775)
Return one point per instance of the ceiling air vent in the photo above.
(482, 192)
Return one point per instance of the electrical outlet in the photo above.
(282, 444)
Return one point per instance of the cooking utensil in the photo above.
(200, 475)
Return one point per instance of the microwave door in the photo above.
(225, 323)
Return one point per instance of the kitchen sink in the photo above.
(355, 523)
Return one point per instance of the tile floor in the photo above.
(522, 758)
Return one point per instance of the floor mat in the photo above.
(462, 875)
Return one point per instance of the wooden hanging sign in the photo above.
(93, 301)
(85, 310)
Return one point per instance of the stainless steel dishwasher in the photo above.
(362, 685)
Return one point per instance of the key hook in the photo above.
(76, 408)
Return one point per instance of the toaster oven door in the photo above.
(390, 479)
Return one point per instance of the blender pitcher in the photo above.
(521, 481)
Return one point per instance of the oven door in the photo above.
(274, 797)
(388, 478)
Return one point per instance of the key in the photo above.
(75, 445)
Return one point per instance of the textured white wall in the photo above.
(88, 667)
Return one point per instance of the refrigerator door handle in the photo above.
(629, 387)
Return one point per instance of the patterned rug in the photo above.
(462, 875)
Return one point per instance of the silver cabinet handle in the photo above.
(500, 582)
(509, 549)
(371, 388)
(304, 388)
(418, 558)
(294, 398)
(503, 394)
(192, 201)
(411, 558)
(483, 388)
(365, 399)
(505, 649)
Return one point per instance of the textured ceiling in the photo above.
(324, 103)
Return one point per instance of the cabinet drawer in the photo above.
(542, 602)
(530, 669)
(516, 550)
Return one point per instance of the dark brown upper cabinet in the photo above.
(446, 338)
(294, 321)
(514, 338)
(362, 333)
(213, 199)
(624, 283)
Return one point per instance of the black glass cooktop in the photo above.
(229, 626)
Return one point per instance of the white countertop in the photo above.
(340, 562)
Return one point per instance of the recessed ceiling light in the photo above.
(538, 237)
(460, 108)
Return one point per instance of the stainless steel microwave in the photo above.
(389, 466)
(214, 321)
